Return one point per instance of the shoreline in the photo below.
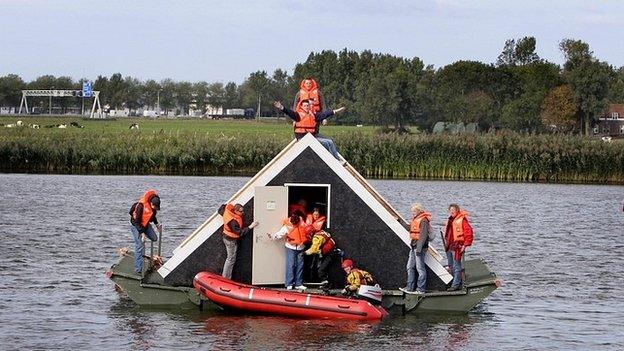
(251, 174)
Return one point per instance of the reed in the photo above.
(500, 157)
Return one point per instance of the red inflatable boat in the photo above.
(228, 293)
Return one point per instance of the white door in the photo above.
(269, 256)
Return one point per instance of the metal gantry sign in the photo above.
(86, 92)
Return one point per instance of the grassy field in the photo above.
(229, 147)
(280, 128)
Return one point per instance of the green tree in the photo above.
(10, 90)
(558, 111)
(184, 96)
(132, 93)
(201, 91)
(116, 91)
(232, 96)
(388, 96)
(588, 79)
(150, 93)
(167, 95)
(616, 87)
(256, 92)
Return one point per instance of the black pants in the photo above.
(320, 266)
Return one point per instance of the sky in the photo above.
(222, 41)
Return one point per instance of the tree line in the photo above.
(520, 91)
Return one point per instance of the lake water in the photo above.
(557, 248)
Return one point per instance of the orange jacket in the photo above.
(415, 225)
(306, 123)
(458, 230)
(315, 225)
(228, 215)
(297, 234)
(311, 94)
(148, 212)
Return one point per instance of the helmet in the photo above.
(347, 263)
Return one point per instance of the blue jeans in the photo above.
(416, 263)
(328, 144)
(139, 247)
(456, 268)
(294, 267)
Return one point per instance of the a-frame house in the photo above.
(362, 223)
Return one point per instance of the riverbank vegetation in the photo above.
(503, 156)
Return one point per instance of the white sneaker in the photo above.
(300, 287)
(289, 287)
(324, 282)
(418, 292)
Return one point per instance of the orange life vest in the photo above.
(415, 225)
(328, 244)
(306, 123)
(316, 225)
(147, 208)
(228, 215)
(297, 234)
(457, 229)
(313, 95)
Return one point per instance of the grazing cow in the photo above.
(20, 123)
(34, 126)
(75, 124)
(62, 126)
(134, 126)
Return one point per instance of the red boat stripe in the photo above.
(270, 302)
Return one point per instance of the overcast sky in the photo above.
(226, 40)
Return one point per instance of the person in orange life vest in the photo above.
(355, 277)
(420, 230)
(307, 121)
(316, 220)
(142, 213)
(322, 251)
(301, 206)
(458, 235)
(233, 230)
(294, 232)
(309, 90)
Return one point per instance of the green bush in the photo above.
(502, 157)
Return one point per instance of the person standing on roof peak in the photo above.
(307, 121)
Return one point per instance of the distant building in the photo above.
(612, 123)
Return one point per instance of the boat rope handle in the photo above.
(224, 289)
(290, 300)
(345, 307)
